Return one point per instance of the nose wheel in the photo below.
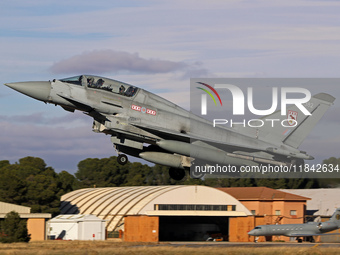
(122, 159)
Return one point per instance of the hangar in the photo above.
(159, 213)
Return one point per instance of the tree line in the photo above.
(30, 182)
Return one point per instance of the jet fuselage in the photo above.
(135, 117)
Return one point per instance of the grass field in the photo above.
(109, 247)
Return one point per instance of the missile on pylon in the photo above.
(167, 159)
(206, 152)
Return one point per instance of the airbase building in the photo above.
(184, 213)
(36, 222)
(177, 213)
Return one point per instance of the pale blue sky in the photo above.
(202, 38)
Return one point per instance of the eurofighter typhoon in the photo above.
(144, 125)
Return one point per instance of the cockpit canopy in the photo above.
(96, 82)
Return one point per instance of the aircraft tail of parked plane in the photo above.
(336, 217)
(296, 125)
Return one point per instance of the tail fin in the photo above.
(336, 217)
(294, 135)
(319, 104)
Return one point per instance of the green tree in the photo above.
(67, 183)
(12, 188)
(14, 229)
(42, 193)
(30, 166)
(32, 184)
(331, 182)
(4, 163)
(88, 172)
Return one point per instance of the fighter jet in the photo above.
(150, 127)
(308, 229)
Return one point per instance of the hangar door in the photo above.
(192, 228)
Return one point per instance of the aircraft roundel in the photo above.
(143, 110)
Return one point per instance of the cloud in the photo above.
(110, 61)
(40, 118)
(233, 39)
(105, 61)
(60, 147)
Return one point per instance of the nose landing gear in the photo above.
(122, 159)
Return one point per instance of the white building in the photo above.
(76, 227)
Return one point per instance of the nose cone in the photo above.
(251, 232)
(37, 89)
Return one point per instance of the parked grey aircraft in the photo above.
(148, 126)
(308, 229)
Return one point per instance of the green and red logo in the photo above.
(204, 97)
(209, 93)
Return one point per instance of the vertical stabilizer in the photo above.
(318, 105)
(296, 126)
(336, 217)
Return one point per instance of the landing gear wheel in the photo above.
(122, 159)
(299, 240)
(310, 239)
(176, 173)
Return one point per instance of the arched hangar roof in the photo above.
(113, 203)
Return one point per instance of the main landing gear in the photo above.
(308, 239)
(122, 159)
(176, 173)
(299, 240)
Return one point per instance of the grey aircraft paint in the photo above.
(309, 229)
(174, 136)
